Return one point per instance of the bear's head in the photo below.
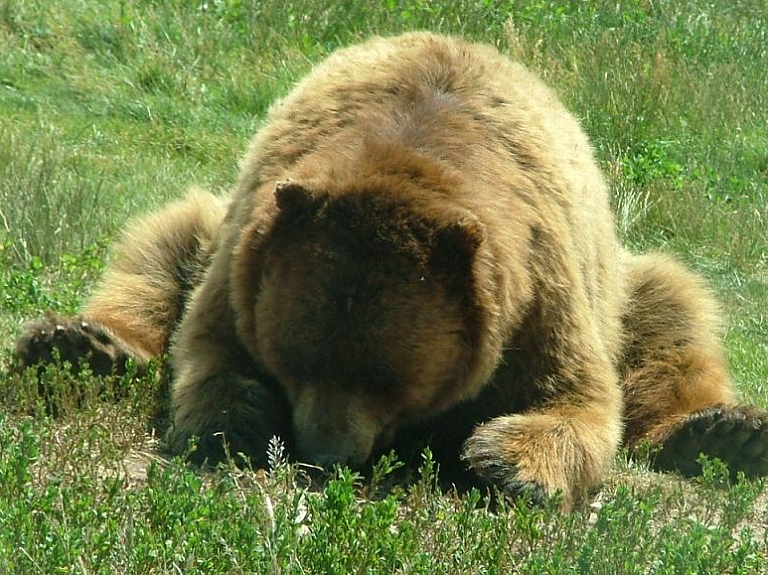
(360, 302)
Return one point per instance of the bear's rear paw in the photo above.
(737, 435)
(71, 339)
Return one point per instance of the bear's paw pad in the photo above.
(70, 340)
(737, 435)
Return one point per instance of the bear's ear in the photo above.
(456, 245)
(293, 199)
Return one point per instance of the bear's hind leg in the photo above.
(679, 399)
(133, 312)
(735, 434)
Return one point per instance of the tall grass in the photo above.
(111, 108)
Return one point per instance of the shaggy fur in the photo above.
(420, 250)
(156, 262)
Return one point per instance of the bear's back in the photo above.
(464, 104)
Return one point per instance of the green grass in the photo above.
(108, 109)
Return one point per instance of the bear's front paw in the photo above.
(735, 434)
(70, 339)
(215, 446)
(240, 429)
(221, 443)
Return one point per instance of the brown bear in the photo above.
(419, 251)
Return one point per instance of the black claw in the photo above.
(528, 492)
(505, 478)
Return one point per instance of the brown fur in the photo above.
(447, 194)
(156, 263)
(673, 362)
(419, 249)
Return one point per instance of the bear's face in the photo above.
(361, 329)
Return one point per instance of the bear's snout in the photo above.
(328, 430)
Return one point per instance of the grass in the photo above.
(108, 109)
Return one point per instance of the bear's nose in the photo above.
(328, 449)
(328, 460)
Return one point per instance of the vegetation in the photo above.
(110, 108)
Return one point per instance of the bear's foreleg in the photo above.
(564, 425)
(229, 416)
(218, 396)
(565, 441)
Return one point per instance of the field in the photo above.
(108, 109)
